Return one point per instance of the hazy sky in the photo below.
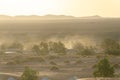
(108, 8)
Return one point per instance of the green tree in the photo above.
(36, 49)
(103, 69)
(88, 51)
(57, 47)
(29, 74)
(44, 48)
(83, 50)
(60, 47)
(111, 47)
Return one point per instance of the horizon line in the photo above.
(57, 15)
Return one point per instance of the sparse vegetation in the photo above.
(48, 45)
(25, 60)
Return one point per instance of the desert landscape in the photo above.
(18, 45)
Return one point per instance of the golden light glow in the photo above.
(67, 7)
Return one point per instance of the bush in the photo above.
(54, 68)
(29, 74)
(10, 63)
(30, 59)
(53, 63)
(88, 51)
(103, 69)
(44, 50)
(111, 47)
(57, 47)
(83, 50)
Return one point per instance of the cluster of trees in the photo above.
(47, 47)
(109, 46)
(83, 50)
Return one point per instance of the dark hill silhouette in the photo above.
(91, 17)
(36, 17)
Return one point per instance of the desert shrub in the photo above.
(44, 48)
(83, 50)
(54, 68)
(53, 63)
(88, 51)
(36, 49)
(78, 47)
(99, 57)
(29, 74)
(111, 47)
(30, 59)
(103, 69)
(57, 47)
(41, 49)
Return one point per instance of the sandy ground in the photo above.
(69, 66)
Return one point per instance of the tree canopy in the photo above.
(103, 69)
(29, 74)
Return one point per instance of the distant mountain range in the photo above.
(91, 17)
(35, 17)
